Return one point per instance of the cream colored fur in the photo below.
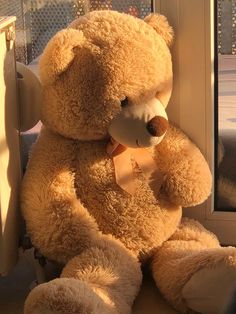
(75, 212)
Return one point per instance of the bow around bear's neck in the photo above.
(124, 174)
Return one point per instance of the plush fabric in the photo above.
(75, 212)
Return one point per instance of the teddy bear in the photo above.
(109, 174)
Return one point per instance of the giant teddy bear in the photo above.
(108, 177)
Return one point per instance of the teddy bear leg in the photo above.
(193, 271)
(103, 279)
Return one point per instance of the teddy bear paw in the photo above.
(209, 289)
(66, 295)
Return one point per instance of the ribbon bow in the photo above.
(124, 173)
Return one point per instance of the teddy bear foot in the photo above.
(64, 296)
(210, 288)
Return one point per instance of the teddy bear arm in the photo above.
(58, 224)
(187, 178)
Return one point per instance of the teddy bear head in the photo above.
(108, 72)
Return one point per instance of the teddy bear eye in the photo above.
(124, 102)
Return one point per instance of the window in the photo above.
(225, 105)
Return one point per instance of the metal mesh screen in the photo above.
(16, 8)
(39, 20)
(234, 27)
(226, 11)
(45, 18)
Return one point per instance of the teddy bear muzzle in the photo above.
(142, 125)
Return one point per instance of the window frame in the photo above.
(194, 74)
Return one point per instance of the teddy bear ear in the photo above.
(58, 54)
(162, 27)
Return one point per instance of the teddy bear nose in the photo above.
(157, 126)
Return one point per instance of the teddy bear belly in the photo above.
(140, 225)
(140, 229)
(141, 221)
